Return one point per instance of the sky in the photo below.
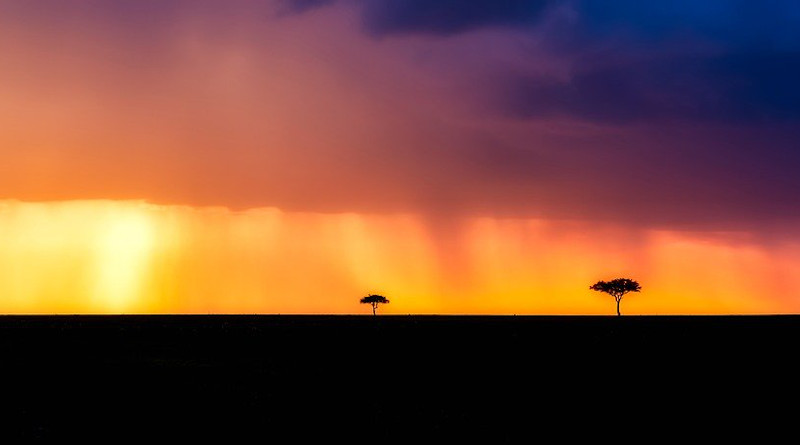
(456, 156)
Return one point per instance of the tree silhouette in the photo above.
(617, 288)
(374, 300)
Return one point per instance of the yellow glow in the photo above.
(134, 257)
(122, 255)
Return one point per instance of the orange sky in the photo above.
(100, 256)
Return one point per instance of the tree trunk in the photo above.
(374, 306)
(618, 300)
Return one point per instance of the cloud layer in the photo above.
(671, 115)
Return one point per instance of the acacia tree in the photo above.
(374, 300)
(617, 288)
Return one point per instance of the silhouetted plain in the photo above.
(393, 379)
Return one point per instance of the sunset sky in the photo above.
(456, 156)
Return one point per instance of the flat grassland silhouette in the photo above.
(498, 379)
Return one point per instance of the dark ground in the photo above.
(500, 379)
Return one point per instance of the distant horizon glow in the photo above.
(133, 257)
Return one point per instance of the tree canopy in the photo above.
(374, 299)
(617, 287)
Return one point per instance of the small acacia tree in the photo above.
(374, 300)
(617, 288)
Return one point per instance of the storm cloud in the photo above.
(676, 115)
(446, 17)
(735, 88)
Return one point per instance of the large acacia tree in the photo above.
(617, 288)
(374, 300)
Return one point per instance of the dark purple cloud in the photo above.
(717, 60)
(445, 17)
(728, 23)
(436, 17)
(732, 88)
(299, 6)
